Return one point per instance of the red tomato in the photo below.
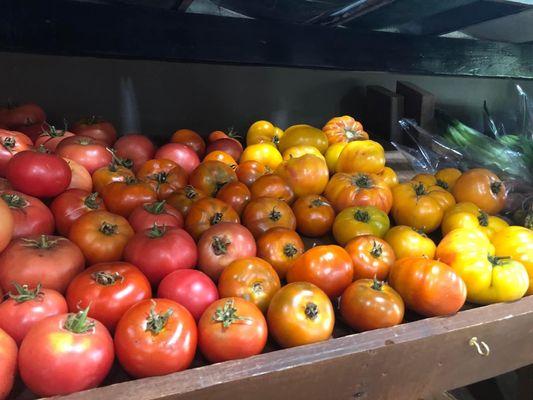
(222, 244)
(51, 137)
(109, 289)
(228, 145)
(159, 251)
(8, 363)
(5, 185)
(230, 329)
(181, 154)
(65, 353)
(123, 197)
(370, 304)
(22, 115)
(236, 194)
(71, 205)
(191, 288)
(266, 213)
(11, 143)
(6, 227)
(328, 267)
(156, 337)
(190, 138)
(38, 173)
(30, 215)
(96, 128)
(137, 148)
(112, 173)
(157, 213)
(25, 307)
(51, 261)
(81, 178)
(90, 153)
(372, 257)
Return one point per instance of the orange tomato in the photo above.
(263, 132)
(344, 129)
(361, 156)
(123, 197)
(211, 175)
(190, 138)
(389, 176)
(314, 215)
(266, 213)
(372, 257)
(447, 177)
(112, 173)
(163, 175)
(249, 171)
(207, 212)
(307, 174)
(221, 156)
(236, 194)
(272, 186)
(410, 242)
(426, 179)
(184, 198)
(481, 187)
(280, 247)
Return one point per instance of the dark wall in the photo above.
(160, 97)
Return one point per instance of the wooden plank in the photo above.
(59, 27)
(409, 361)
(384, 109)
(419, 104)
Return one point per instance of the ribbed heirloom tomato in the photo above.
(266, 213)
(8, 363)
(481, 187)
(236, 194)
(357, 221)
(252, 279)
(344, 129)
(280, 247)
(109, 289)
(328, 267)
(210, 176)
(300, 313)
(158, 213)
(156, 337)
(207, 212)
(372, 257)
(164, 176)
(30, 215)
(410, 242)
(230, 329)
(468, 215)
(184, 198)
(272, 186)
(314, 215)
(306, 175)
(190, 138)
(123, 197)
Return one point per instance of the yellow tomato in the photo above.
(409, 242)
(447, 177)
(265, 153)
(444, 198)
(358, 221)
(388, 175)
(332, 155)
(307, 174)
(489, 279)
(468, 215)
(307, 135)
(298, 151)
(426, 179)
(361, 156)
(517, 242)
(263, 132)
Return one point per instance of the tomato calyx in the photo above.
(257, 288)
(442, 184)
(108, 229)
(44, 242)
(420, 189)
(220, 244)
(156, 322)
(43, 150)
(498, 261)
(352, 135)
(419, 231)
(107, 279)
(233, 134)
(156, 231)
(362, 181)
(118, 161)
(190, 192)
(362, 216)
(91, 120)
(160, 177)
(228, 314)
(52, 131)
(78, 322)
(216, 218)
(377, 250)
(311, 311)
(85, 141)
(318, 203)
(14, 200)
(92, 201)
(290, 250)
(130, 180)
(495, 187)
(9, 143)
(483, 218)
(24, 293)
(274, 215)
(156, 207)
(377, 284)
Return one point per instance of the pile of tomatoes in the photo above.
(118, 249)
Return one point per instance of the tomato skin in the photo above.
(18, 315)
(206, 213)
(191, 288)
(468, 215)
(372, 257)
(357, 221)
(181, 154)
(159, 251)
(110, 289)
(251, 279)
(101, 236)
(359, 189)
(428, 287)
(159, 213)
(361, 156)
(122, 198)
(137, 148)
(144, 353)
(111, 173)
(280, 247)
(235, 194)
(51, 261)
(38, 174)
(90, 153)
(228, 145)
(369, 304)
(266, 213)
(71, 205)
(272, 186)
(7, 225)
(298, 135)
(211, 175)
(409, 242)
(184, 198)
(306, 175)
(314, 215)
(264, 153)
(30, 215)
(344, 129)
(250, 171)
(81, 178)
(51, 137)
(96, 128)
(222, 244)
(8, 363)
(481, 187)
(328, 267)
(190, 138)
(80, 362)
(300, 313)
(11, 143)
(238, 340)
